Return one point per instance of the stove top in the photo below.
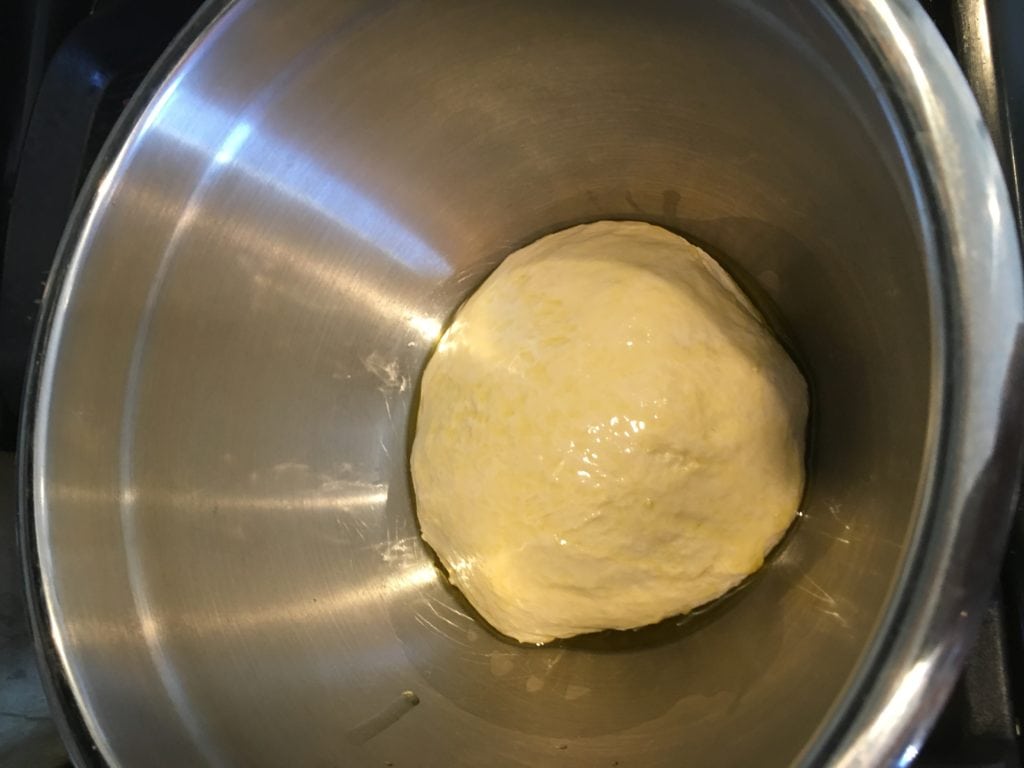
(69, 67)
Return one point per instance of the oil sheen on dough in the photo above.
(608, 435)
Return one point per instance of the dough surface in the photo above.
(608, 435)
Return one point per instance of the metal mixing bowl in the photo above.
(221, 539)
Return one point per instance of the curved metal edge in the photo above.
(900, 690)
(65, 710)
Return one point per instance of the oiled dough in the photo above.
(608, 434)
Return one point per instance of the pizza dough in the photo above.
(608, 434)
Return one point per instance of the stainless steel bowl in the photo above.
(218, 510)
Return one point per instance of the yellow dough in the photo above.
(608, 434)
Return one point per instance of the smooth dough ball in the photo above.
(608, 434)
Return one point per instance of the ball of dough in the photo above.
(608, 434)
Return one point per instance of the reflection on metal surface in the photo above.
(354, 497)
(900, 36)
(904, 700)
(428, 327)
(236, 138)
(194, 121)
(326, 609)
(994, 208)
(908, 756)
